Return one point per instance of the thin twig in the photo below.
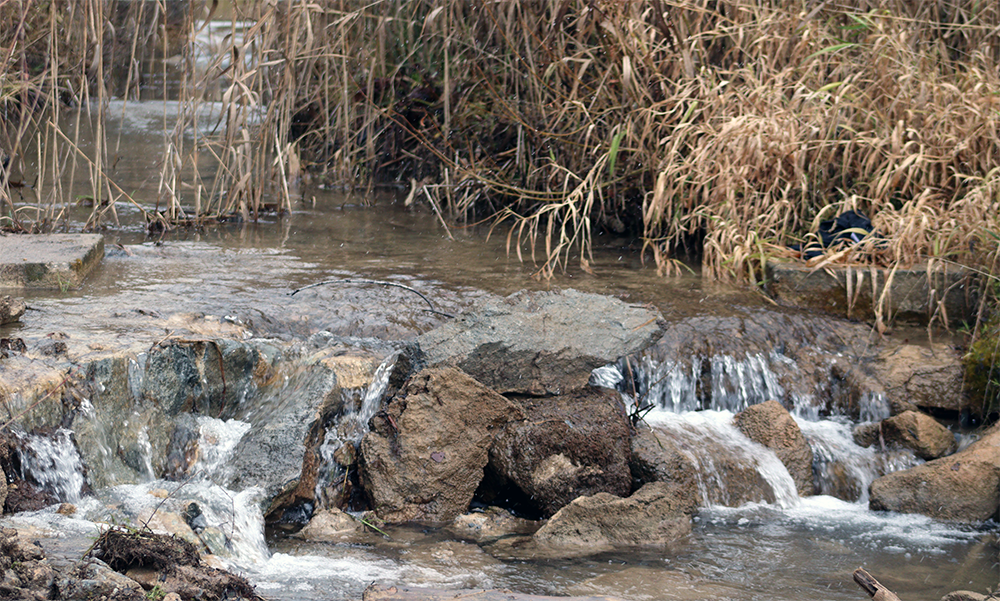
(377, 283)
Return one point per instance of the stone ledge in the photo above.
(48, 261)
(913, 295)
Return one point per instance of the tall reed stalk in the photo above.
(727, 128)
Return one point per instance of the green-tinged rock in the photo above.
(982, 369)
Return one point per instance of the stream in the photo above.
(784, 549)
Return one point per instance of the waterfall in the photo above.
(216, 443)
(731, 468)
(842, 468)
(352, 426)
(720, 382)
(694, 399)
(54, 463)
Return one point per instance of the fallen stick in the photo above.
(380, 593)
(873, 587)
(374, 282)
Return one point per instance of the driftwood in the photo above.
(393, 593)
(873, 587)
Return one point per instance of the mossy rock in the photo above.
(982, 368)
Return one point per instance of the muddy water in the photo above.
(243, 274)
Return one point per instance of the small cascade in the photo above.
(694, 400)
(54, 463)
(341, 441)
(217, 441)
(739, 383)
(720, 382)
(731, 468)
(842, 468)
(873, 407)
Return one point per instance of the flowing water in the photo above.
(777, 546)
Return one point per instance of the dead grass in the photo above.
(730, 128)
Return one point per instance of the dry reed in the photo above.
(726, 127)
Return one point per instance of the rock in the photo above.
(654, 582)
(93, 579)
(491, 524)
(655, 458)
(570, 445)
(867, 434)
(3, 489)
(736, 355)
(330, 525)
(121, 435)
(919, 432)
(541, 343)
(66, 509)
(280, 453)
(914, 293)
(657, 514)
(207, 377)
(425, 453)
(965, 596)
(11, 309)
(146, 577)
(25, 573)
(770, 425)
(963, 487)
(927, 377)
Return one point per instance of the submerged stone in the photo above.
(657, 514)
(541, 343)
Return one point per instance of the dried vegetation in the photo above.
(729, 128)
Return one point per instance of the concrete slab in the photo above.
(48, 261)
(914, 295)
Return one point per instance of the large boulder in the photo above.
(912, 430)
(963, 487)
(928, 377)
(424, 456)
(569, 446)
(770, 425)
(657, 514)
(541, 343)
